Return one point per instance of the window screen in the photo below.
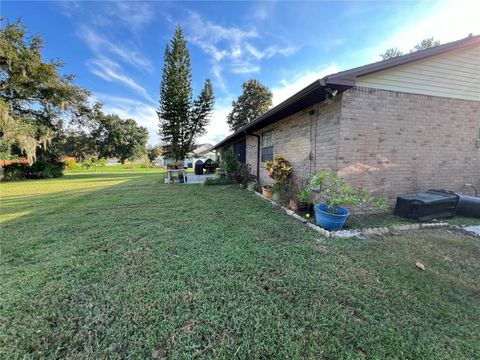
(267, 146)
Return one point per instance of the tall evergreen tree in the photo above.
(255, 100)
(182, 119)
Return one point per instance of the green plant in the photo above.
(253, 186)
(279, 169)
(87, 164)
(101, 162)
(38, 170)
(46, 170)
(242, 174)
(304, 196)
(229, 161)
(15, 171)
(328, 187)
(94, 162)
(71, 163)
(280, 190)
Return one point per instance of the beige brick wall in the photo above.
(395, 143)
(390, 142)
(294, 138)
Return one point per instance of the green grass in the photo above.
(119, 265)
(122, 169)
(116, 168)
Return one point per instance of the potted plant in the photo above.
(294, 204)
(280, 170)
(302, 203)
(279, 192)
(334, 195)
(267, 191)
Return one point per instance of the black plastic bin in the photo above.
(469, 206)
(427, 205)
(199, 167)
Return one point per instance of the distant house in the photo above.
(200, 152)
(203, 151)
(395, 126)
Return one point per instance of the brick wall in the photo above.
(395, 143)
(390, 142)
(294, 138)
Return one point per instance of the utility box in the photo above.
(427, 205)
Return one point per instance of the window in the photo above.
(267, 146)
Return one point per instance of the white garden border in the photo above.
(357, 233)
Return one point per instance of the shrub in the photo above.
(219, 181)
(281, 190)
(38, 170)
(229, 162)
(279, 169)
(242, 174)
(88, 164)
(15, 171)
(101, 162)
(253, 186)
(46, 170)
(71, 163)
(329, 188)
(94, 162)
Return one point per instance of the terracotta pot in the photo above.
(267, 191)
(294, 204)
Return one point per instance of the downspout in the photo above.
(258, 155)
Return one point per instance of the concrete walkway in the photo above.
(474, 229)
(198, 179)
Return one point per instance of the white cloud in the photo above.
(134, 14)
(101, 46)
(231, 48)
(287, 88)
(110, 71)
(218, 128)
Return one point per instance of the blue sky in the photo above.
(116, 48)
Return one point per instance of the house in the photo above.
(200, 152)
(395, 126)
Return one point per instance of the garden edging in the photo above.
(356, 232)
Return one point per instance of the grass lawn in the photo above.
(119, 265)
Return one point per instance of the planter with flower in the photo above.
(280, 171)
(334, 194)
(175, 165)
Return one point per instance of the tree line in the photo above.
(44, 114)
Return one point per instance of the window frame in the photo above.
(263, 156)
